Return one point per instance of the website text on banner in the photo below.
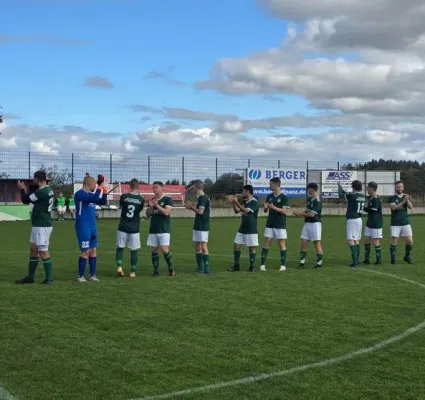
(330, 180)
(293, 181)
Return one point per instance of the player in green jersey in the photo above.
(400, 227)
(61, 206)
(247, 234)
(356, 200)
(201, 228)
(159, 211)
(41, 221)
(71, 206)
(373, 230)
(312, 229)
(277, 205)
(128, 234)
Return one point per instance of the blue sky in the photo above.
(125, 41)
(213, 78)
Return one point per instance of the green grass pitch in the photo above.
(129, 339)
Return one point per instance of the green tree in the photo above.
(60, 180)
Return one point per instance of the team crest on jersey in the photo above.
(278, 200)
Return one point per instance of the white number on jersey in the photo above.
(130, 213)
(360, 206)
(51, 201)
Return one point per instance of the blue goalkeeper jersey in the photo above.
(85, 206)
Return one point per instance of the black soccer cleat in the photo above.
(24, 281)
(155, 273)
(408, 260)
(251, 269)
(392, 261)
(378, 263)
(354, 265)
(235, 268)
(366, 262)
(47, 282)
(301, 266)
(318, 266)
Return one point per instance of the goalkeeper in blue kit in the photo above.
(85, 225)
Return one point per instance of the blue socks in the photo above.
(93, 264)
(82, 266)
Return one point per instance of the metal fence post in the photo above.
(182, 171)
(278, 164)
(306, 181)
(216, 168)
(110, 168)
(149, 169)
(249, 163)
(29, 165)
(337, 165)
(72, 170)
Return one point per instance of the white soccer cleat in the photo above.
(263, 268)
(282, 268)
(81, 279)
(94, 279)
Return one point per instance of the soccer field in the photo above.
(331, 333)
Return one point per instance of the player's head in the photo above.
(158, 188)
(312, 189)
(275, 183)
(40, 178)
(399, 187)
(247, 191)
(134, 185)
(60, 194)
(372, 188)
(199, 187)
(357, 186)
(89, 183)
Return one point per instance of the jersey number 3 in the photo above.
(130, 211)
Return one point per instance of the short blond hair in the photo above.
(88, 180)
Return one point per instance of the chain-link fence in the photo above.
(222, 175)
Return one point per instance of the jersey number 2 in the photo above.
(51, 201)
(130, 212)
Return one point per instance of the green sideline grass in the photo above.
(125, 339)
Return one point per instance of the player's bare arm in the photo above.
(304, 214)
(242, 209)
(283, 210)
(408, 202)
(164, 210)
(190, 205)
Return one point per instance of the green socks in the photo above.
(409, 248)
(252, 257)
(367, 248)
(169, 260)
(200, 262)
(237, 257)
(133, 260)
(264, 254)
(303, 256)
(358, 253)
(283, 258)
(393, 251)
(319, 259)
(48, 268)
(119, 256)
(155, 262)
(206, 259)
(32, 267)
(378, 254)
(354, 254)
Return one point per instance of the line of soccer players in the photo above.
(159, 210)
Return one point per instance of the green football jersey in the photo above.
(202, 222)
(131, 207)
(315, 205)
(161, 223)
(374, 210)
(355, 200)
(43, 200)
(71, 201)
(277, 220)
(399, 217)
(60, 201)
(249, 221)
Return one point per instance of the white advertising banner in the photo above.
(330, 180)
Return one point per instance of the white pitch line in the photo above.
(5, 395)
(301, 368)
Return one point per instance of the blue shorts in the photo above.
(87, 237)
